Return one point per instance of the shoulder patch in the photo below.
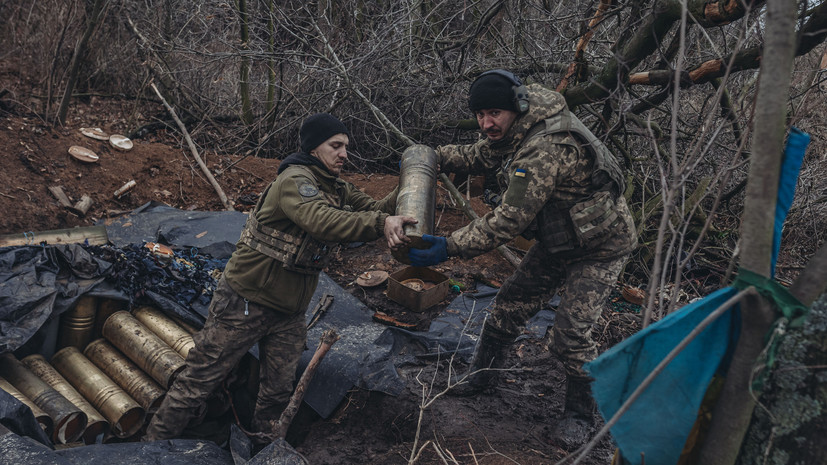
(308, 190)
(517, 187)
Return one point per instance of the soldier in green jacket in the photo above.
(272, 275)
(561, 186)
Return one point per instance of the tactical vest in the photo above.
(565, 225)
(302, 253)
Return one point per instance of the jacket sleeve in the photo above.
(475, 158)
(363, 202)
(532, 179)
(309, 210)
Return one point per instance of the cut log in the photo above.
(83, 205)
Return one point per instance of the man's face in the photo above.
(332, 153)
(495, 122)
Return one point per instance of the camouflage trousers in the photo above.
(232, 328)
(588, 283)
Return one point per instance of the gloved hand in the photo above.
(437, 253)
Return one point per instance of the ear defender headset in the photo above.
(519, 92)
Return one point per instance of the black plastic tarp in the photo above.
(211, 233)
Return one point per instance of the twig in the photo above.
(473, 454)
(329, 337)
(440, 454)
(213, 182)
(580, 50)
(250, 434)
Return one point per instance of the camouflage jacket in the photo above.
(304, 198)
(532, 172)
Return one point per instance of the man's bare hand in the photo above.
(395, 231)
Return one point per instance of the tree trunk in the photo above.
(74, 67)
(733, 410)
(791, 425)
(271, 63)
(244, 72)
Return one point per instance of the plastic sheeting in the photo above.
(658, 423)
(38, 283)
(211, 233)
(15, 449)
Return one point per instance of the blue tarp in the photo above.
(659, 422)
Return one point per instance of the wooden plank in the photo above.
(96, 235)
(61, 197)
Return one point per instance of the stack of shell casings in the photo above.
(69, 420)
(145, 348)
(96, 425)
(124, 414)
(112, 369)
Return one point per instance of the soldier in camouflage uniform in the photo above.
(272, 275)
(562, 187)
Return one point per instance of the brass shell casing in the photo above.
(106, 307)
(69, 420)
(78, 324)
(139, 385)
(43, 419)
(96, 424)
(165, 328)
(142, 346)
(124, 414)
(417, 196)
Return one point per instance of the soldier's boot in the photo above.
(491, 352)
(577, 425)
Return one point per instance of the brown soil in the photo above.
(507, 426)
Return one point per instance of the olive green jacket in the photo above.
(304, 198)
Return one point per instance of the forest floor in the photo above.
(509, 425)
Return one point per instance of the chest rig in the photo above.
(564, 225)
(301, 253)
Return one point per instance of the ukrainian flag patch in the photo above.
(517, 187)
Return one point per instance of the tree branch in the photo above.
(227, 204)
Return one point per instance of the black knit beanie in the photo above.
(318, 128)
(491, 91)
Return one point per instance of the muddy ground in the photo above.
(509, 425)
